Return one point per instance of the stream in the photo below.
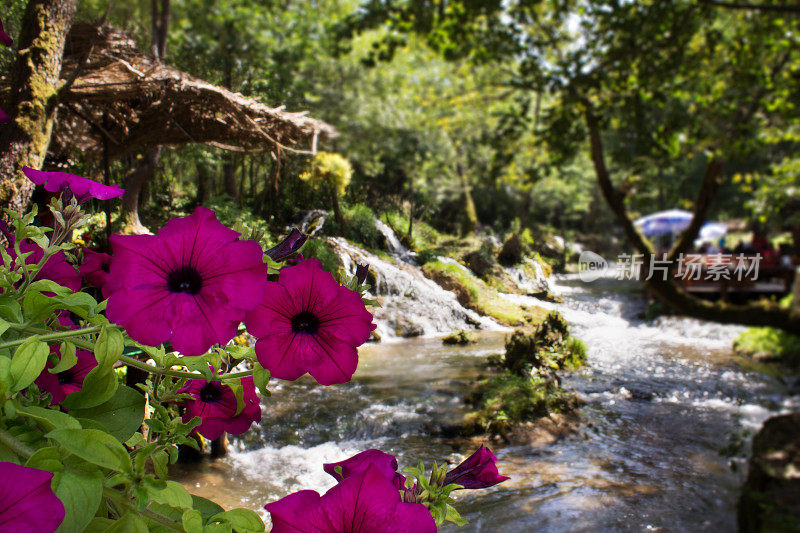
(662, 399)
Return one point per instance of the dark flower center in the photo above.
(305, 322)
(210, 393)
(65, 377)
(184, 279)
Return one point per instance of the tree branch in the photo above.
(705, 196)
(752, 7)
(760, 314)
(613, 198)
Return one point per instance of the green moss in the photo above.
(549, 346)
(475, 294)
(506, 399)
(526, 386)
(460, 337)
(423, 235)
(771, 345)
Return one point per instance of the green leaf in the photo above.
(238, 392)
(109, 346)
(206, 507)
(36, 305)
(7, 455)
(99, 525)
(69, 358)
(192, 521)
(451, 515)
(136, 440)
(223, 527)
(173, 495)
(28, 362)
(261, 379)
(47, 458)
(80, 490)
(98, 387)
(80, 303)
(49, 419)
(121, 415)
(242, 520)
(5, 369)
(160, 461)
(47, 285)
(129, 523)
(3, 326)
(94, 446)
(10, 309)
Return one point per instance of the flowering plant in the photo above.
(81, 451)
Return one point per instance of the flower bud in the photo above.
(291, 244)
(477, 472)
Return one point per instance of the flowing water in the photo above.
(662, 399)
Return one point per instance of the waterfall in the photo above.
(313, 221)
(396, 248)
(412, 305)
(521, 277)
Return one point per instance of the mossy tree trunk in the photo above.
(33, 97)
(337, 209)
(134, 182)
(469, 218)
(204, 184)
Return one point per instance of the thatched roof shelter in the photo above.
(119, 96)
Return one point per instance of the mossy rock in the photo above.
(549, 346)
(473, 293)
(769, 345)
(460, 336)
(770, 499)
(505, 400)
(512, 251)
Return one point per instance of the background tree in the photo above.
(640, 86)
(33, 96)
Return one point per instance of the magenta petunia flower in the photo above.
(190, 285)
(307, 322)
(5, 118)
(55, 268)
(82, 188)
(478, 471)
(215, 403)
(95, 267)
(384, 462)
(68, 381)
(27, 502)
(364, 503)
(4, 37)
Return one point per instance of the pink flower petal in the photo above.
(27, 502)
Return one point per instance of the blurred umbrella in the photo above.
(664, 222)
(712, 231)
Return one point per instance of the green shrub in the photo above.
(549, 346)
(359, 227)
(507, 399)
(770, 344)
(319, 249)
